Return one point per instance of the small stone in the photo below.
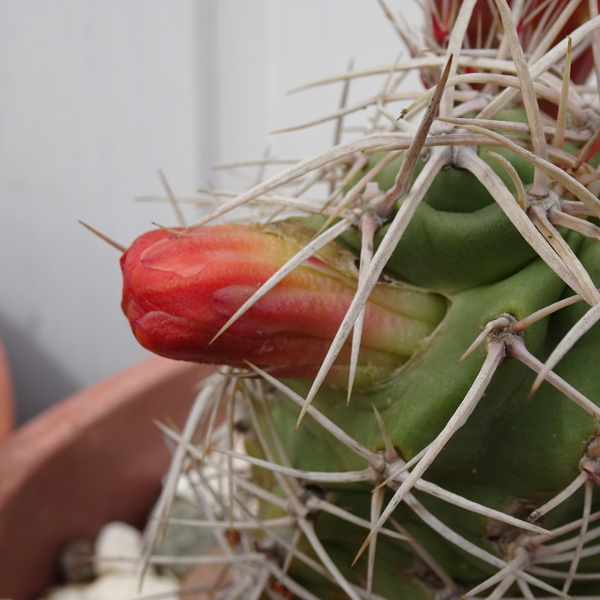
(67, 592)
(118, 549)
(77, 562)
(203, 582)
(124, 586)
(183, 540)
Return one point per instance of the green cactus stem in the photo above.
(450, 471)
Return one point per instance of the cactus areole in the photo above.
(453, 261)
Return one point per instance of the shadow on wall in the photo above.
(38, 381)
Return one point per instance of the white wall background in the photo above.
(94, 98)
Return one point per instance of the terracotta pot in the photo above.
(7, 401)
(93, 458)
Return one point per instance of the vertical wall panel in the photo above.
(268, 47)
(94, 98)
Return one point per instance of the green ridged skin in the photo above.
(514, 453)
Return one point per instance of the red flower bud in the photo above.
(485, 29)
(179, 290)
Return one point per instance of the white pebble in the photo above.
(118, 549)
(67, 592)
(124, 586)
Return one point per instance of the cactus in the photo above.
(428, 428)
